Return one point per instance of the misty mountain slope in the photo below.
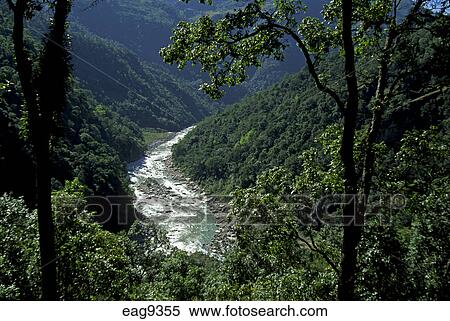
(145, 26)
(145, 93)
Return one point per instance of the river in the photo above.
(171, 200)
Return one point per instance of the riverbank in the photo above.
(163, 194)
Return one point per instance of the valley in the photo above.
(173, 202)
(229, 150)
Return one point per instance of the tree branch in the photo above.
(408, 19)
(395, 83)
(428, 95)
(312, 70)
(311, 66)
(378, 110)
(11, 5)
(23, 61)
(380, 97)
(313, 247)
(248, 35)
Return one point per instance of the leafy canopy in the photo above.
(261, 29)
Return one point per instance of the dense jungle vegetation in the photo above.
(367, 116)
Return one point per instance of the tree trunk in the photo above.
(352, 219)
(40, 141)
(51, 90)
(354, 211)
(52, 87)
(378, 111)
(44, 209)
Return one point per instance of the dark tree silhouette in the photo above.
(44, 91)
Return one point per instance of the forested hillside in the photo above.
(331, 184)
(268, 129)
(144, 27)
(285, 156)
(93, 142)
(145, 93)
(273, 127)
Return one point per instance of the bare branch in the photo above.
(429, 95)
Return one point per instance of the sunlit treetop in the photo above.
(260, 29)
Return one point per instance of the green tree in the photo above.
(93, 264)
(366, 29)
(44, 92)
(19, 258)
